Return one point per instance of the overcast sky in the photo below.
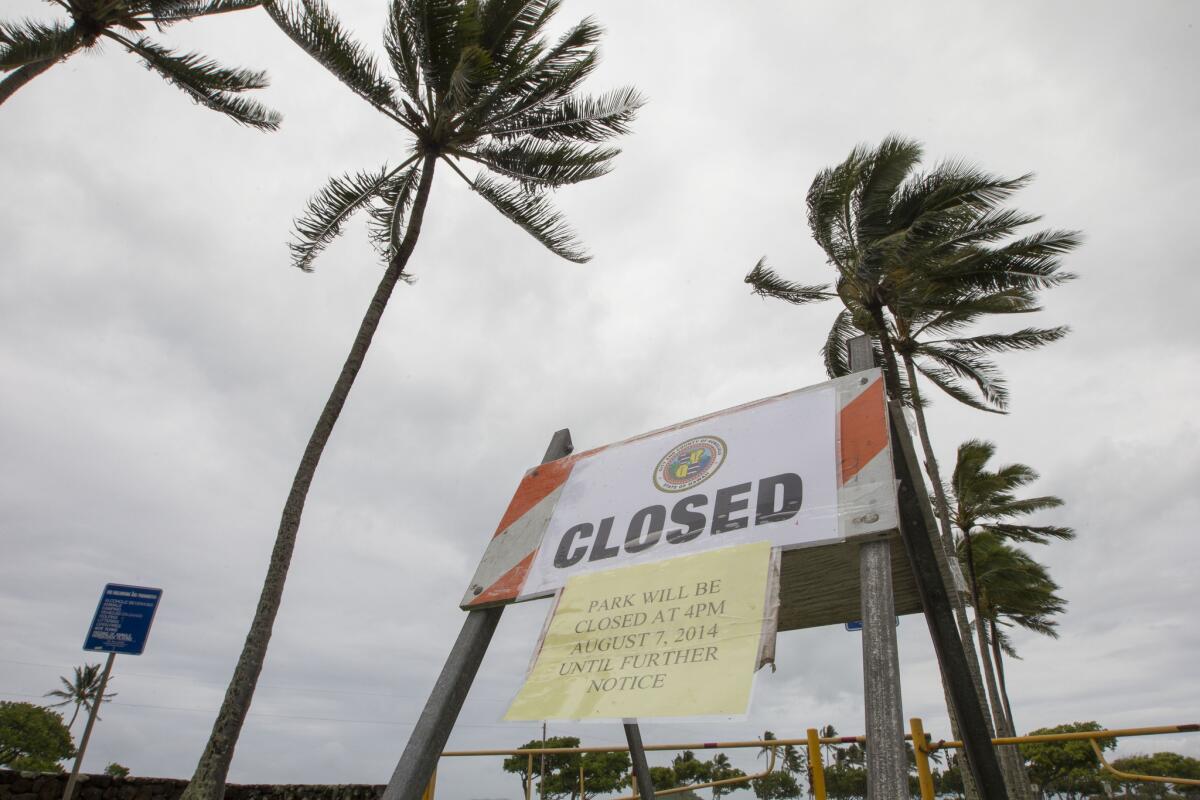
(162, 364)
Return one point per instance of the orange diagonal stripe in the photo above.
(538, 483)
(864, 430)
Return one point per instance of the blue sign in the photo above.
(122, 621)
(857, 625)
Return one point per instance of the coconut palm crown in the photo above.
(920, 257)
(81, 690)
(30, 47)
(475, 84)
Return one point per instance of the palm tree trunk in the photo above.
(73, 717)
(891, 371)
(22, 76)
(208, 782)
(1017, 777)
(931, 464)
(981, 627)
(956, 597)
(998, 654)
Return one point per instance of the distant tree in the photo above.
(1165, 765)
(777, 785)
(80, 690)
(987, 501)
(1066, 768)
(720, 770)
(663, 778)
(556, 765)
(949, 782)
(33, 738)
(1013, 589)
(30, 47)
(116, 770)
(689, 769)
(603, 773)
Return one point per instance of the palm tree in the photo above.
(474, 83)
(81, 690)
(918, 258)
(916, 264)
(1014, 590)
(985, 503)
(29, 48)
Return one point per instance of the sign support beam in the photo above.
(87, 731)
(918, 529)
(428, 738)
(887, 764)
(637, 754)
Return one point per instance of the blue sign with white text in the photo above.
(122, 621)
(857, 625)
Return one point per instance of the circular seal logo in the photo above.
(689, 464)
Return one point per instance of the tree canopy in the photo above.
(33, 738)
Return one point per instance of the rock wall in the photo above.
(50, 786)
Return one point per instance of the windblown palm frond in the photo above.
(987, 499)
(473, 82)
(29, 41)
(30, 47)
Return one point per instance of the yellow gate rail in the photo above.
(922, 748)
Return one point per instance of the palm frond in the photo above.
(1024, 339)
(433, 26)
(29, 42)
(508, 25)
(836, 352)
(208, 83)
(1032, 262)
(387, 219)
(533, 212)
(328, 210)
(969, 365)
(886, 170)
(1033, 534)
(767, 283)
(401, 51)
(168, 12)
(313, 26)
(534, 163)
(948, 382)
(581, 119)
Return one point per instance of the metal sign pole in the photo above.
(87, 731)
(428, 738)
(887, 764)
(644, 787)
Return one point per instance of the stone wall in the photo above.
(50, 786)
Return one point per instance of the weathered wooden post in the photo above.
(433, 728)
(887, 765)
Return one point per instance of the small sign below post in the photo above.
(121, 624)
(122, 620)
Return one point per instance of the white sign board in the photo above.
(751, 476)
(805, 468)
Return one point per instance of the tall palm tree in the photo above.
(1014, 590)
(30, 47)
(80, 690)
(918, 258)
(986, 503)
(475, 83)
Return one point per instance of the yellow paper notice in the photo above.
(673, 638)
